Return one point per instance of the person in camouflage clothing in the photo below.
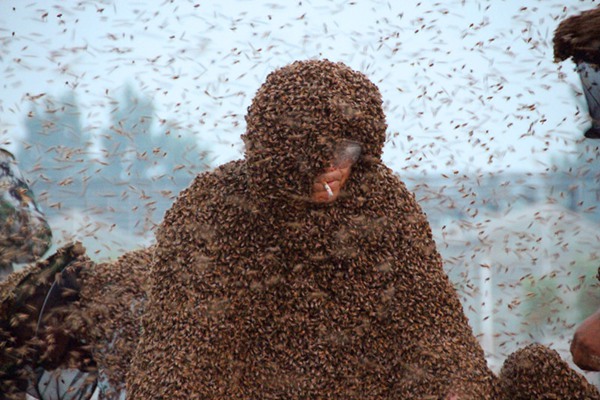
(24, 232)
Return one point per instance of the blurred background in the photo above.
(112, 107)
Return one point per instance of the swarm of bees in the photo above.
(457, 145)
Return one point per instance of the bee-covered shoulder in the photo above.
(206, 190)
(388, 191)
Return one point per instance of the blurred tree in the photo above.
(143, 164)
(183, 157)
(55, 152)
(151, 161)
(128, 140)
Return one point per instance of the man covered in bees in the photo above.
(270, 280)
(305, 270)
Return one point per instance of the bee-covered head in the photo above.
(301, 116)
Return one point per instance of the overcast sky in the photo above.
(469, 85)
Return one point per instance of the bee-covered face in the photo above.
(327, 186)
(296, 123)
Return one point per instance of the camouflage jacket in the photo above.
(24, 232)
